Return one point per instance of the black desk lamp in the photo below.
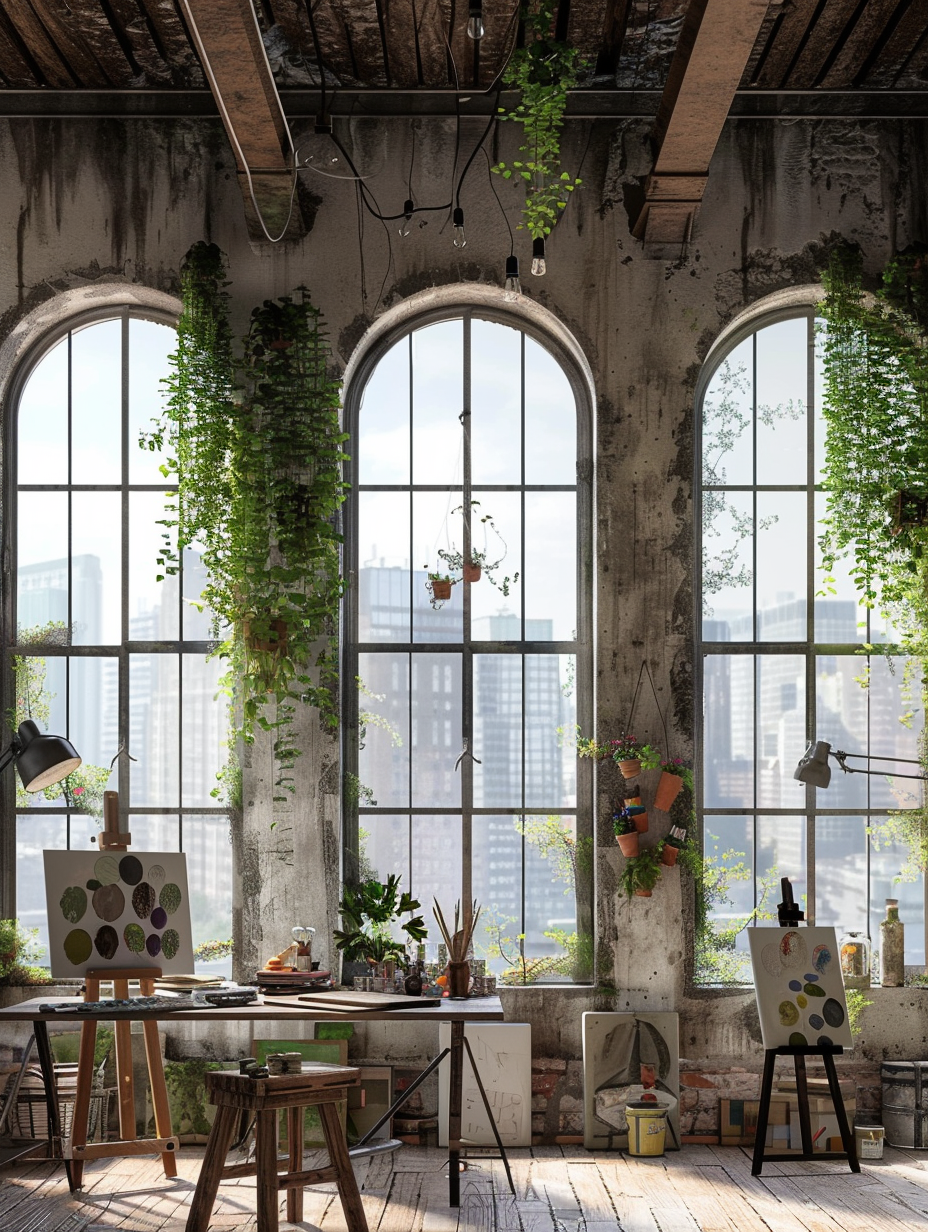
(814, 767)
(40, 759)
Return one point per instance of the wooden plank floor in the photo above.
(699, 1189)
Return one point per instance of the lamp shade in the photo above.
(814, 767)
(43, 760)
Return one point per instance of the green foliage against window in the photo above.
(20, 954)
(371, 916)
(543, 71)
(255, 448)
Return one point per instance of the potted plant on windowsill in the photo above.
(675, 775)
(641, 874)
(626, 833)
(371, 918)
(631, 756)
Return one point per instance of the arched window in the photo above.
(782, 654)
(102, 651)
(466, 433)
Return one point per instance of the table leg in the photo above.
(455, 1099)
(81, 1114)
(266, 1162)
(295, 1120)
(44, 1049)
(352, 1207)
(217, 1146)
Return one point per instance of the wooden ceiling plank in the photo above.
(87, 21)
(171, 36)
(915, 68)
(501, 23)
(717, 38)
(859, 43)
(362, 21)
(432, 20)
(63, 29)
(330, 28)
(899, 47)
(787, 41)
(134, 27)
(768, 26)
(39, 45)
(399, 28)
(13, 65)
(461, 52)
(833, 24)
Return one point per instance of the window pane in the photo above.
(204, 749)
(781, 729)
(209, 877)
(498, 735)
(155, 831)
(839, 617)
(727, 566)
(383, 423)
(551, 419)
(383, 705)
(96, 567)
(96, 401)
(384, 848)
(550, 766)
(435, 527)
(497, 881)
(496, 616)
(496, 403)
(896, 722)
(153, 729)
(550, 893)
(728, 744)
(41, 558)
(886, 862)
(34, 835)
(781, 566)
(383, 567)
(42, 424)
(841, 720)
(729, 849)
(841, 873)
(782, 378)
(198, 624)
(94, 718)
(438, 399)
(435, 738)
(150, 344)
(781, 852)
(436, 865)
(550, 566)
(728, 419)
(153, 614)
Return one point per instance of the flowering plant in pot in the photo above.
(631, 756)
(626, 833)
(672, 845)
(674, 776)
(641, 874)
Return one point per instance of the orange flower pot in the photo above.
(669, 855)
(440, 590)
(640, 822)
(631, 768)
(643, 893)
(472, 573)
(628, 844)
(668, 789)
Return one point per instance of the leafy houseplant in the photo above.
(478, 564)
(439, 587)
(674, 777)
(543, 70)
(20, 953)
(631, 756)
(370, 912)
(672, 845)
(255, 446)
(642, 873)
(626, 833)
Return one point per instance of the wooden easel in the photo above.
(165, 1144)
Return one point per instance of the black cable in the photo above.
(512, 242)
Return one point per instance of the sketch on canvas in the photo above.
(118, 909)
(619, 1050)
(503, 1053)
(799, 987)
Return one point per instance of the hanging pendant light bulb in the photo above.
(408, 209)
(475, 28)
(457, 220)
(513, 286)
(539, 265)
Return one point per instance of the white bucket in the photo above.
(869, 1141)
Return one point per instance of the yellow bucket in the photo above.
(647, 1128)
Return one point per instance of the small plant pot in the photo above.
(277, 641)
(472, 573)
(668, 789)
(628, 844)
(458, 980)
(669, 855)
(630, 768)
(440, 590)
(643, 893)
(640, 822)
(281, 344)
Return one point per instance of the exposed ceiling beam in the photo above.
(715, 45)
(229, 44)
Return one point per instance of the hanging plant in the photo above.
(479, 563)
(543, 71)
(256, 452)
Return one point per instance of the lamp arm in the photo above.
(840, 756)
(12, 751)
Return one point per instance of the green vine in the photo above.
(543, 71)
(256, 451)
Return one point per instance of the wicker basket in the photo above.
(30, 1116)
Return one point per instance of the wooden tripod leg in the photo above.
(159, 1090)
(125, 1090)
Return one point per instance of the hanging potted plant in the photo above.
(672, 845)
(636, 811)
(641, 874)
(674, 775)
(485, 558)
(626, 834)
(631, 756)
(439, 587)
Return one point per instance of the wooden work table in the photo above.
(278, 1010)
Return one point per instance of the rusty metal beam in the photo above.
(228, 42)
(715, 45)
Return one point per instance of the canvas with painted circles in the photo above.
(118, 909)
(799, 987)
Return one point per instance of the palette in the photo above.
(117, 909)
(799, 987)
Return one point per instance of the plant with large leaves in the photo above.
(370, 914)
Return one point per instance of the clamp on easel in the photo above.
(164, 1144)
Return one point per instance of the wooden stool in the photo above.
(318, 1086)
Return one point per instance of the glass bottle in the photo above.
(854, 948)
(892, 947)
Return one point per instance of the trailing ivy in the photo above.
(256, 452)
(543, 70)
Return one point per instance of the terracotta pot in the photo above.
(628, 844)
(669, 855)
(631, 768)
(668, 789)
(643, 893)
(472, 573)
(640, 822)
(281, 344)
(458, 980)
(440, 590)
(277, 640)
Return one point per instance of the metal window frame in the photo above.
(582, 647)
(121, 652)
(807, 649)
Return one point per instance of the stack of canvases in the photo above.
(738, 1117)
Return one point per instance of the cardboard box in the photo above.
(738, 1121)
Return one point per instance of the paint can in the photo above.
(869, 1141)
(647, 1128)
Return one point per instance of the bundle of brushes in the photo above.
(458, 941)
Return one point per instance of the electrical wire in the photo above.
(512, 242)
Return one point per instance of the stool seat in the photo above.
(317, 1085)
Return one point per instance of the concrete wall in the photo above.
(95, 205)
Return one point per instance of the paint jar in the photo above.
(647, 1128)
(869, 1141)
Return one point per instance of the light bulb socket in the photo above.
(323, 124)
(539, 267)
(538, 247)
(512, 267)
(408, 209)
(457, 218)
